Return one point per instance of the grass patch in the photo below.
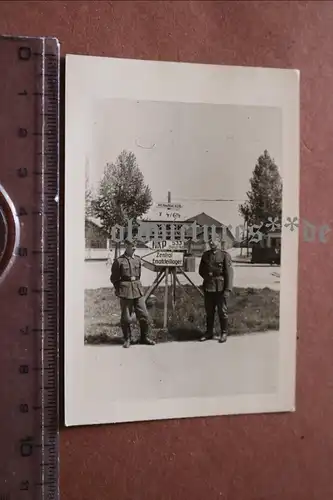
(250, 310)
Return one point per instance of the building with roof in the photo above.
(97, 239)
(95, 236)
(167, 224)
(208, 227)
(171, 222)
(163, 220)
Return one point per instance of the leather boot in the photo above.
(206, 336)
(144, 338)
(126, 329)
(224, 330)
(209, 331)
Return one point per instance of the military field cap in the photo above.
(212, 243)
(131, 242)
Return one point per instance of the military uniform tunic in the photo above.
(216, 270)
(217, 273)
(125, 277)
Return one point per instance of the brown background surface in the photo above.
(272, 457)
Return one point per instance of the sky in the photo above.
(195, 151)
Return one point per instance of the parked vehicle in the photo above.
(266, 255)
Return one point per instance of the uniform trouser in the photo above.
(213, 301)
(139, 307)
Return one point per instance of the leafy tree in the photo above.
(122, 194)
(265, 196)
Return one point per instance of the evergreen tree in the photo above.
(265, 195)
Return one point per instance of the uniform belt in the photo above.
(132, 278)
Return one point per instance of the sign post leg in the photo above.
(191, 282)
(157, 281)
(166, 296)
(174, 278)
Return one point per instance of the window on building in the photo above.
(169, 231)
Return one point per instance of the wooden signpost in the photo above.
(167, 257)
(166, 263)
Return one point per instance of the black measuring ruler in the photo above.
(29, 267)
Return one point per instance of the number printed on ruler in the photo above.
(29, 284)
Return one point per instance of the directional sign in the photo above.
(167, 258)
(165, 212)
(168, 245)
(169, 206)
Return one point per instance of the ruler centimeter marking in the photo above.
(29, 286)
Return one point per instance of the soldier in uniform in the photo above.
(217, 273)
(125, 277)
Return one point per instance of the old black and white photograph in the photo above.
(181, 240)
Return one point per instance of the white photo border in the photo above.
(90, 78)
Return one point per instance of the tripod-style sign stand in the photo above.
(164, 273)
